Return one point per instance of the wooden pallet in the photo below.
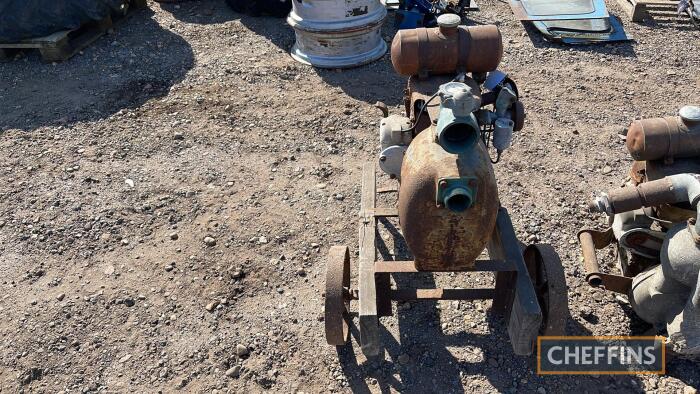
(637, 9)
(63, 45)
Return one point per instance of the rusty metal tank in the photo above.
(337, 33)
(670, 137)
(447, 202)
(447, 49)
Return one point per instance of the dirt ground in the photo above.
(167, 199)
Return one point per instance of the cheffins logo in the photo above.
(602, 355)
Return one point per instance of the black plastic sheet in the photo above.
(24, 19)
(276, 8)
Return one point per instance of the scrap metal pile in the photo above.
(655, 228)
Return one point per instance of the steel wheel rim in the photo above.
(337, 304)
(547, 276)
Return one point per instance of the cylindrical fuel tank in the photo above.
(450, 235)
(670, 137)
(337, 33)
(447, 50)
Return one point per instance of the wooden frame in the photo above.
(514, 295)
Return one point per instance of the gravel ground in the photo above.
(167, 199)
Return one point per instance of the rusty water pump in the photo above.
(655, 229)
(461, 113)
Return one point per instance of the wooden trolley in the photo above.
(530, 287)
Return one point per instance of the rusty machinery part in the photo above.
(337, 295)
(451, 235)
(669, 293)
(448, 197)
(337, 33)
(668, 190)
(457, 129)
(395, 134)
(656, 228)
(518, 116)
(633, 231)
(657, 169)
(666, 138)
(420, 101)
(547, 276)
(666, 215)
(590, 241)
(421, 94)
(638, 172)
(457, 110)
(447, 49)
(426, 106)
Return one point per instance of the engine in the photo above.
(461, 115)
(656, 225)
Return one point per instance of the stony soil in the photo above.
(167, 199)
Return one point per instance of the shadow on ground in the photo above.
(366, 83)
(205, 12)
(665, 19)
(136, 63)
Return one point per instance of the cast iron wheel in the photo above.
(337, 295)
(547, 276)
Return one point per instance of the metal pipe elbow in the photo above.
(686, 187)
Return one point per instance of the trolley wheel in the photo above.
(337, 295)
(547, 275)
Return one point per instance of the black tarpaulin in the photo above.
(23, 19)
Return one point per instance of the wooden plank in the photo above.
(442, 294)
(525, 315)
(387, 189)
(369, 316)
(505, 281)
(76, 41)
(410, 267)
(635, 10)
(627, 7)
(656, 2)
(639, 12)
(385, 212)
